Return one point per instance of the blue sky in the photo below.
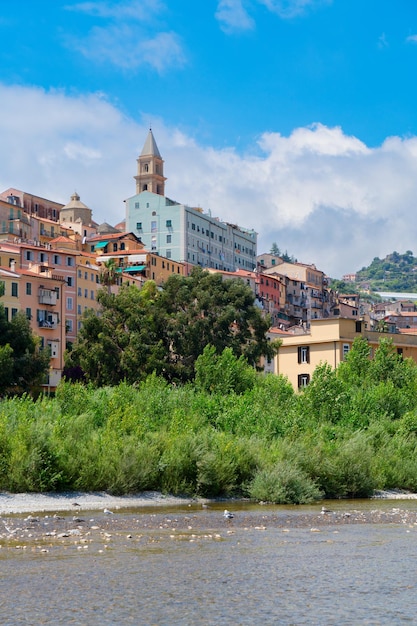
(294, 117)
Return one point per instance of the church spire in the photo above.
(150, 176)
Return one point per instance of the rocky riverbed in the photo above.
(99, 522)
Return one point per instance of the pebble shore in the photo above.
(99, 522)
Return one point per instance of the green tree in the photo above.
(108, 274)
(204, 309)
(122, 342)
(275, 250)
(355, 368)
(143, 331)
(23, 365)
(325, 397)
(223, 373)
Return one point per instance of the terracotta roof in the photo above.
(61, 239)
(107, 236)
(278, 331)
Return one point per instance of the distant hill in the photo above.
(397, 272)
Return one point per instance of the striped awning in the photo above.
(133, 268)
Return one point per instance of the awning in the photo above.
(100, 244)
(133, 268)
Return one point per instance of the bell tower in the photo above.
(150, 176)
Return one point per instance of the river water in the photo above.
(275, 565)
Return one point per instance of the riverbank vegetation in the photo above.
(230, 432)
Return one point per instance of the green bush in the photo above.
(285, 483)
(224, 373)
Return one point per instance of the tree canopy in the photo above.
(141, 331)
(23, 365)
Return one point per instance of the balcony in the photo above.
(48, 320)
(47, 296)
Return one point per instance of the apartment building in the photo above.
(327, 341)
(39, 293)
(32, 204)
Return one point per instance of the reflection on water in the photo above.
(225, 574)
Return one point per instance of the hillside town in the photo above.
(54, 258)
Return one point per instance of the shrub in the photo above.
(285, 483)
(223, 373)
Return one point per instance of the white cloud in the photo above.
(322, 195)
(133, 9)
(382, 41)
(233, 17)
(124, 47)
(129, 36)
(287, 9)
(412, 39)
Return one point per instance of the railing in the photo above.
(52, 324)
(47, 296)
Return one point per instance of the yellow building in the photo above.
(88, 283)
(328, 341)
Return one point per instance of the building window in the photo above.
(79, 273)
(345, 349)
(303, 380)
(91, 295)
(68, 326)
(80, 293)
(79, 309)
(69, 304)
(115, 247)
(14, 313)
(153, 226)
(192, 226)
(57, 259)
(122, 246)
(28, 289)
(169, 238)
(136, 205)
(70, 261)
(304, 354)
(168, 254)
(85, 293)
(29, 313)
(69, 281)
(168, 223)
(14, 290)
(138, 225)
(29, 255)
